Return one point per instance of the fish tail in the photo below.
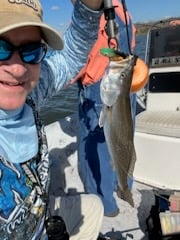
(126, 196)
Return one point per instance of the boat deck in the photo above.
(62, 141)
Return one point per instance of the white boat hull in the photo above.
(157, 161)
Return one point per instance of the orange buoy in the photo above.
(140, 75)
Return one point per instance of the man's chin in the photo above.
(12, 104)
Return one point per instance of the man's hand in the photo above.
(175, 22)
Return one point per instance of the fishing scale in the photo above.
(111, 27)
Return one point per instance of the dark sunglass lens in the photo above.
(5, 50)
(33, 53)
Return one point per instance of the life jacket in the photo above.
(97, 63)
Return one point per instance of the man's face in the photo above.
(17, 79)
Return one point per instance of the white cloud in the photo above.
(55, 8)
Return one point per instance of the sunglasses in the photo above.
(31, 53)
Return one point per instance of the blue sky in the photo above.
(57, 13)
(145, 10)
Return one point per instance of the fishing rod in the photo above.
(127, 31)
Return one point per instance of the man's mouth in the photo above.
(11, 84)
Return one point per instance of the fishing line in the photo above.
(126, 21)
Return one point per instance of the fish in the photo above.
(116, 120)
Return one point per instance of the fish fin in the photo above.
(112, 165)
(132, 165)
(126, 196)
(109, 114)
(101, 119)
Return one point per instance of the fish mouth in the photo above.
(121, 54)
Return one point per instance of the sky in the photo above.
(57, 13)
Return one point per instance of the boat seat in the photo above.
(157, 145)
(163, 101)
(164, 123)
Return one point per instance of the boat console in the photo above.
(157, 133)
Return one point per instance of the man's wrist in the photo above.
(93, 4)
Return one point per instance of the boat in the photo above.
(157, 140)
(157, 131)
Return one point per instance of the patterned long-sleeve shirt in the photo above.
(24, 182)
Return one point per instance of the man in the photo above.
(27, 81)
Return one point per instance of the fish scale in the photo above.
(116, 119)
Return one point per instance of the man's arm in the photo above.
(60, 67)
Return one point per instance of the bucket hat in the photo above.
(22, 13)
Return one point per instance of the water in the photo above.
(60, 106)
(65, 103)
(140, 46)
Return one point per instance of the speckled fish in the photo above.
(116, 120)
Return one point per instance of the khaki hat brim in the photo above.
(51, 36)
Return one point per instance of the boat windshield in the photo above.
(164, 82)
(164, 46)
